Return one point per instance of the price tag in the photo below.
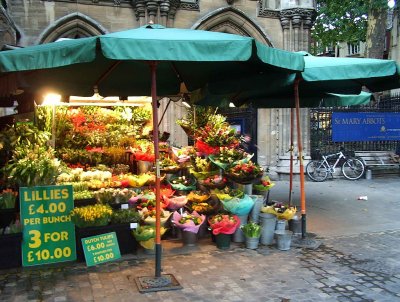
(124, 206)
(133, 225)
(101, 248)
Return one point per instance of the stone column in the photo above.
(152, 11)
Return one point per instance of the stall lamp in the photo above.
(232, 105)
(51, 99)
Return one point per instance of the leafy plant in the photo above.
(251, 230)
(125, 216)
(33, 167)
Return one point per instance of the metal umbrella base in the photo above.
(153, 284)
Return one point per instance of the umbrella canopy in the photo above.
(321, 75)
(117, 62)
(149, 60)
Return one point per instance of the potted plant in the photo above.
(222, 226)
(189, 224)
(252, 232)
(145, 235)
(244, 172)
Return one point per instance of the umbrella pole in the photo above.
(300, 147)
(291, 156)
(153, 68)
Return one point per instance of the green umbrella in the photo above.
(148, 60)
(321, 75)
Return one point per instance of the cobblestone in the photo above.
(335, 271)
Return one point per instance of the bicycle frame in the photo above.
(339, 155)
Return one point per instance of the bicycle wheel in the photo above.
(353, 168)
(317, 170)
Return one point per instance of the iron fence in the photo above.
(321, 128)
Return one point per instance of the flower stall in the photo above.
(106, 154)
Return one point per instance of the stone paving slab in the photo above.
(346, 268)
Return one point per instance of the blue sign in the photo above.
(365, 126)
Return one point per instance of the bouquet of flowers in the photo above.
(176, 202)
(149, 216)
(239, 206)
(280, 210)
(217, 132)
(198, 196)
(143, 151)
(92, 215)
(137, 181)
(228, 156)
(224, 223)
(114, 196)
(264, 185)
(7, 199)
(146, 235)
(244, 172)
(168, 165)
(202, 168)
(183, 183)
(183, 154)
(188, 222)
(213, 182)
(227, 193)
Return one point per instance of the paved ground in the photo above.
(358, 259)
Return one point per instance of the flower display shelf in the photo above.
(84, 202)
(10, 251)
(7, 216)
(127, 243)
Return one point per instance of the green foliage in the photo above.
(339, 21)
(33, 166)
(251, 230)
(125, 216)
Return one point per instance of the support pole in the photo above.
(158, 250)
(291, 155)
(300, 147)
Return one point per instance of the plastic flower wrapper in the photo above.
(239, 206)
(224, 223)
(166, 191)
(137, 181)
(227, 193)
(244, 172)
(183, 183)
(146, 199)
(264, 185)
(198, 196)
(280, 210)
(149, 216)
(214, 182)
(229, 156)
(176, 202)
(182, 154)
(168, 165)
(188, 222)
(146, 235)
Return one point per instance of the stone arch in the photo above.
(232, 20)
(73, 26)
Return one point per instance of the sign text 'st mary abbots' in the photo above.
(48, 232)
(365, 126)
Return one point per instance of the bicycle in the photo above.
(318, 170)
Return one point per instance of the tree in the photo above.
(376, 31)
(351, 21)
(339, 21)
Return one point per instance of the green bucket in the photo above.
(223, 241)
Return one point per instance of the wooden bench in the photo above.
(378, 159)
